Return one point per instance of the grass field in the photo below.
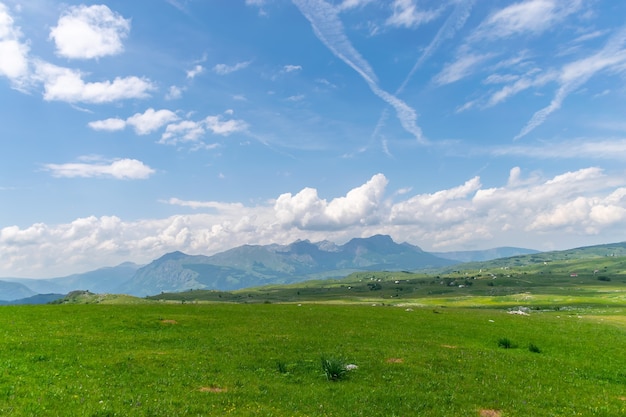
(164, 359)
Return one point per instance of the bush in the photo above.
(603, 278)
(534, 348)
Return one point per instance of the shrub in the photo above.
(603, 278)
(334, 368)
(534, 348)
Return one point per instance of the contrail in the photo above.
(329, 29)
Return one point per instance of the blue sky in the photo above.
(134, 128)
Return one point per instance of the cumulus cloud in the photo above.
(143, 123)
(566, 207)
(130, 169)
(13, 52)
(191, 131)
(306, 210)
(65, 84)
(85, 32)
(151, 120)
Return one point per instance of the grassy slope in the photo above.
(221, 359)
(540, 283)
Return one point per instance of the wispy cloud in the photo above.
(461, 68)
(575, 74)
(407, 14)
(530, 16)
(223, 69)
(585, 149)
(292, 68)
(329, 29)
(453, 23)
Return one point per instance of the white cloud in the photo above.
(219, 127)
(64, 84)
(195, 71)
(151, 120)
(292, 68)
(174, 93)
(143, 123)
(192, 131)
(13, 52)
(406, 14)
(223, 69)
(571, 207)
(119, 169)
(85, 32)
(184, 131)
(306, 210)
(109, 125)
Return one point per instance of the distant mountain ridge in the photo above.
(256, 265)
(248, 266)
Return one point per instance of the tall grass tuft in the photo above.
(334, 368)
(505, 343)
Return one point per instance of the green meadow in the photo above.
(490, 340)
(265, 360)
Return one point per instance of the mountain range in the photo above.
(247, 266)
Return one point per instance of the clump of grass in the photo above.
(282, 367)
(334, 368)
(505, 343)
(534, 348)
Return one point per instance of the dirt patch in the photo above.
(449, 346)
(215, 390)
(490, 413)
(169, 322)
(395, 360)
(623, 398)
